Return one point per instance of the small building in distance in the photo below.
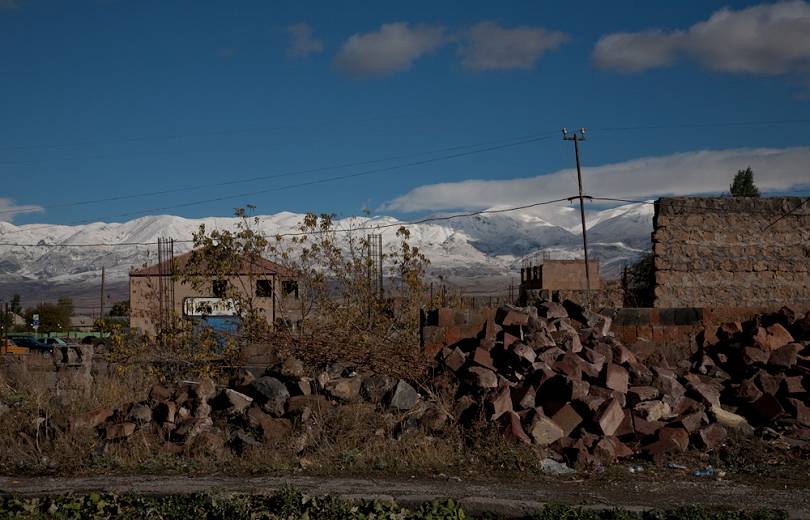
(543, 277)
(158, 292)
(554, 275)
(17, 320)
(82, 323)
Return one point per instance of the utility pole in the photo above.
(577, 137)
(101, 312)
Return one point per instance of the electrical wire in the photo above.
(700, 125)
(505, 142)
(787, 214)
(358, 163)
(441, 218)
(385, 169)
(317, 232)
(189, 135)
(691, 205)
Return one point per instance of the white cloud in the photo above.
(303, 43)
(9, 210)
(392, 49)
(488, 46)
(763, 39)
(706, 171)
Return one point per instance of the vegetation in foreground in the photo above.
(290, 503)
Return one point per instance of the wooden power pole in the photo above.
(101, 306)
(577, 137)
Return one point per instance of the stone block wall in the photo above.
(720, 252)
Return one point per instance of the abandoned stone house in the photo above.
(553, 275)
(546, 278)
(731, 252)
(159, 290)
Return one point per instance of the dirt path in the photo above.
(506, 498)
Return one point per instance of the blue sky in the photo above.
(100, 99)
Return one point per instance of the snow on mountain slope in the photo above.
(464, 248)
(631, 225)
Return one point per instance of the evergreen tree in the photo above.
(743, 185)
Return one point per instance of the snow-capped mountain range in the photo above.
(463, 250)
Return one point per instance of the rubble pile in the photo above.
(760, 369)
(551, 376)
(277, 407)
(554, 376)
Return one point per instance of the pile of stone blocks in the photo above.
(279, 406)
(553, 375)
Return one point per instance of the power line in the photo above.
(317, 232)
(426, 220)
(210, 133)
(358, 163)
(338, 166)
(702, 125)
(805, 201)
(691, 205)
(327, 179)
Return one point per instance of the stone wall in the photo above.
(721, 252)
(677, 331)
(67, 368)
(609, 296)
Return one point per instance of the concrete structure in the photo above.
(555, 275)
(731, 251)
(17, 320)
(82, 323)
(267, 285)
(547, 279)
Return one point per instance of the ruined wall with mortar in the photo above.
(721, 252)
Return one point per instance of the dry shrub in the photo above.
(35, 432)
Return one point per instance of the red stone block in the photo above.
(509, 339)
(482, 358)
(768, 383)
(616, 378)
(455, 360)
(604, 452)
(637, 394)
(610, 417)
(747, 392)
(510, 317)
(792, 385)
(677, 435)
(510, 421)
(661, 449)
(626, 427)
(712, 436)
(619, 448)
(785, 357)
(767, 408)
(755, 356)
(800, 411)
(644, 427)
(502, 403)
(567, 419)
(622, 355)
(692, 422)
(525, 397)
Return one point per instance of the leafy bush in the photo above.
(290, 503)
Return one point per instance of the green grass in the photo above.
(290, 503)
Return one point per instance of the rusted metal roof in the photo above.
(261, 266)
